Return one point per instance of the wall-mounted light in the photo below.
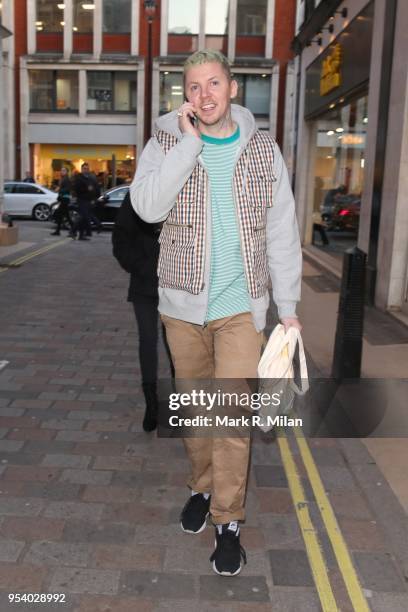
(343, 13)
(330, 132)
(330, 28)
(88, 7)
(339, 130)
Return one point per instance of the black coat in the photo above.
(136, 247)
(86, 187)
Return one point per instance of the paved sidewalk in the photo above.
(89, 504)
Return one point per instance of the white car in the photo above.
(28, 200)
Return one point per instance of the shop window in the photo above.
(53, 90)
(254, 91)
(183, 26)
(340, 146)
(171, 91)
(49, 16)
(216, 24)
(251, 17)
(116, 16)
(111, 91)
(83, 16)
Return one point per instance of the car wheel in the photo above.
(41, 212)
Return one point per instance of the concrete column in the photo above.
(9, 89)
(31, 29)
(140, 107)
(134, 32)
(164, 23)
(273, 105)
(24, 110)
(270, 20)
(232, 30)
(82, 94)
(68, 19)
(97, 29)
(290, 116)
(201, 35)
(392, 258)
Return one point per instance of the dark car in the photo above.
(346, 214)
(105, 209)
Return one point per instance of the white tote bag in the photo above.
(276, 373)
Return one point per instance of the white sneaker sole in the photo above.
(228, 574)
(203, 526)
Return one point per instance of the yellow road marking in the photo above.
(24, 258)
(314, 553)
(340, 549)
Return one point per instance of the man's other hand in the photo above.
(291, 322)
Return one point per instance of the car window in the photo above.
(119, 194)
(27, 188)
(8, 188)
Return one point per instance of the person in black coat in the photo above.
(136, 247)
(87, 191)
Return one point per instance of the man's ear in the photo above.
(233, 89)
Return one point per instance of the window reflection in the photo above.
(184, 16)
(49, 17)
(116, 16)
(251, 17)
(171, 91)
(83, 16)
(339, 172)
(53, 90)
(254, 91)
(216, 16)
(111, 91)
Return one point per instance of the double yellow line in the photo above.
(309, 533)
(24, 258)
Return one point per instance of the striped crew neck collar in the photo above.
(221, 141)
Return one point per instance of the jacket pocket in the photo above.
(260, 191)
(177, 255)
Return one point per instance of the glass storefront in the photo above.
(340, 142)
(49, 159)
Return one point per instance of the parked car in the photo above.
(28, 200)
(106, 207)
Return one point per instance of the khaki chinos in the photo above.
(225, 348)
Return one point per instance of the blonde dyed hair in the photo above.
(207, 56)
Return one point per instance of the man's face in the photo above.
(85, 169)
(63, 171)
(208, 88)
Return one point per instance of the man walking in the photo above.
(64, 199)
(87, 191)
(221, 187)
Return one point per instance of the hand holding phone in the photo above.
(187, 119)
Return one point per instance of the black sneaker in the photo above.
(228, 554)
(194, 514)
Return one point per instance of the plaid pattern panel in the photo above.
(182, 239)
(253, 189)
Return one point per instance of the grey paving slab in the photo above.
(290, 599)
(158, 585)
(86, 477)
(379, 572)
(246, 588)
(10, 550)
(389, 602)
(270, 476)
(290, 568)
(57, 553)
(66, 461)
(20, 506)
(80, 580)
(77, 510)
(77, 436)
(98, 532)
(52, 491)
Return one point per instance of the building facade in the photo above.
(350, 137)
(82, 79)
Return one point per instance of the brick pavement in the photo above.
(89, 503)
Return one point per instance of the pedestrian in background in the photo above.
(87, 191)
(136, 247)
(28, 177)
(64, 199)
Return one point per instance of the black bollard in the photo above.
(348, 345)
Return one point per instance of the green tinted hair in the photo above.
(206, 56)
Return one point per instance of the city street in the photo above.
(89, 503)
